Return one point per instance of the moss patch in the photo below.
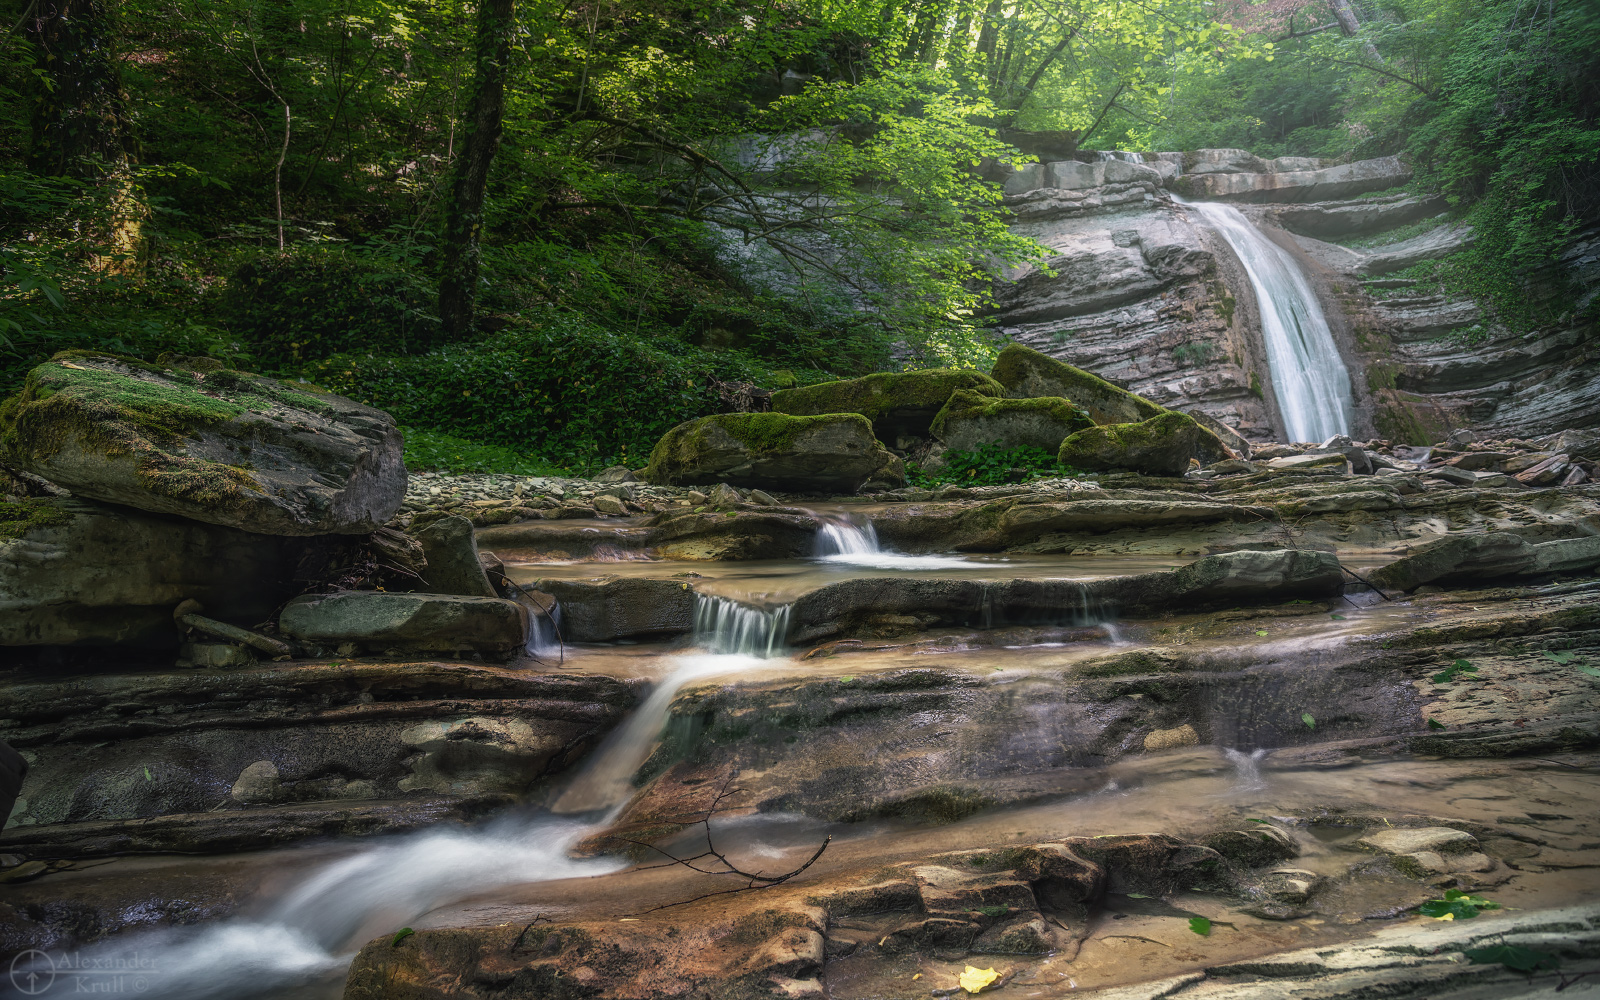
(1027, 373)
(18, 517)
(125, 408)
(878, 396)
(762, 434)
(1160, 446)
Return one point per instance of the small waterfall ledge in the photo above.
(1309, 377)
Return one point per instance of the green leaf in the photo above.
(147, 775)
(400, 935)
(1309, 719)
(1252, 820)
(1338, 618)
(1513, 957)
(1137, 895)
(1260, 632)
(1563, 657)
(1435, 724)
(1200, 925)
(1449, 673)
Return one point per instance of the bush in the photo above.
(432, 451)
(991, 465)
(311, 304)
(561, 389)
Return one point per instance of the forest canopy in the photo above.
(512, 223)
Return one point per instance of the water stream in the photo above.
(312, 931)
(1309, 377)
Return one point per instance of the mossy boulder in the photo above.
(970, 420)
(899, 404)
(1160, 446)
(411, 623)
(206, 443)
(833, 452)
(1025, 373)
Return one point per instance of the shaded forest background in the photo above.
(688, 194)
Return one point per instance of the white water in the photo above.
(314, 930)
(725, 626)
(1246, 769)
(846, 543)
(1309, 377)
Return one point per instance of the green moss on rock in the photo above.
(827, 452)
(1160, 446)
(1026, 373)
(970, 420)
(18, 517)
(896, 402)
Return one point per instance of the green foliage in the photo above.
(1193, 355)
(1514, 957)
(1460, 668)
(18, 517)
(1309, 719)
(991, 465)
(432, 450)
(1456, 905)
(1200, 925)
(315, 302)
(558, 389)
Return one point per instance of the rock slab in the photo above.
(219, 446)
(417, 623)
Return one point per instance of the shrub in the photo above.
(991, 465)
(311, 304)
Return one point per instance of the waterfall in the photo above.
(844, 542)
(315, 928)
(1308, 375)
(725, 626)
(841, 537)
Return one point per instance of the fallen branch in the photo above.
(753, 880)
(1364, 580)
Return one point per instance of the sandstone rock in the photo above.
(1291, 885)
(897, 403)
(1232, 439)
(1566, 555)
(1167, 739)
(616, 607)
(1225, 175)
(1026, 373)
(1438, 839)
(1264, 845)
(453, 563)
(257, 783)
(763, 498)
(74, 572)
(723, 495)
(1160, 446)
(827, 453)
(1316, 462)
(684, 534)
(1459, 557)
(616, 474)
(223, 447)
(417, 623)
(610, 505)
(1449, 475)
(970, 421)
(1332, 220)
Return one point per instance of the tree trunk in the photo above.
(80, 120)
(458, 284)
(1350, 27)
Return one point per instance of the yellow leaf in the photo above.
(1447, 916)
(975, 979)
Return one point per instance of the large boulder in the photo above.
(1160, 446)
(1026, 373)
(1466, 558)
(615, 607)
(408, 623)
(834, 452)
(78, 573)
(969, 421)
(219, 446)
(451, 551)
(899, 404)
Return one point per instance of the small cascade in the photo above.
(314, 929)
(544, 633)
(725, 626)
(1246, 769)
(843, 541)
(1309, 377)
(842, 537)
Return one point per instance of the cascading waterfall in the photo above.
(313, 930)
(1309, 377)
(725, 626)
(843, 541)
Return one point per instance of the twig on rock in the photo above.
(753, 880)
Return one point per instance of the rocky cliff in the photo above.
(1139, 290)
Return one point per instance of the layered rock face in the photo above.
(1146, 295)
